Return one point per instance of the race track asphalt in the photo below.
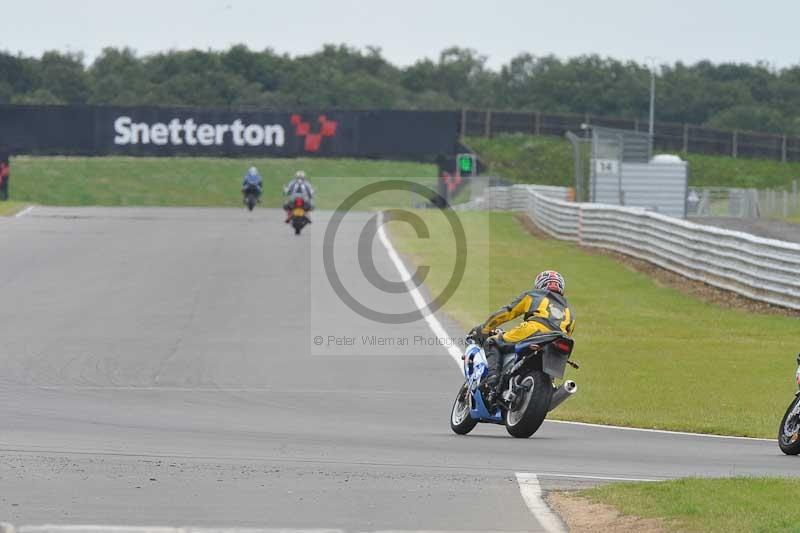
(158, 367)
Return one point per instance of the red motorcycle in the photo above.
(299, 215)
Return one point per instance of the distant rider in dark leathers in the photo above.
(544, 309)
(252, 180)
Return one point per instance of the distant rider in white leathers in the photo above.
(299, 187)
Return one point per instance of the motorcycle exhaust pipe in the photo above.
(563, 393)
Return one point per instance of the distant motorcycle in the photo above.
(528, 394)
(789, 431)
(299, 215)
(251, 196)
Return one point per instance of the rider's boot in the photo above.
(492, 383)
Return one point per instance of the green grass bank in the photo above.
(192, 181)
(651, 356)
(709, 505)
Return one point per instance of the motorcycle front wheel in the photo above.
(460, 421)
(529, 409)
(789, 431)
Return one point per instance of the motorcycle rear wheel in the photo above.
(531, 409)
(460, 421)
(789, 430)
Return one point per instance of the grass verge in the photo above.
(11, 208)
(651, 356)
(526, 158)
(163, 181)
(548, 160)
(693, 504)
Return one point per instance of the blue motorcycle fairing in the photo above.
(472, 352)
(481, 412)
(475, 368)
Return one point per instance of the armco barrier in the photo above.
(761, 269)
(513, 197)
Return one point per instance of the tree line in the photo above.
(733, 96)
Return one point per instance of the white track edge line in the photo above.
(416, 295)
(531, 493)
(24, 211)
(602, 478)
(662, 431)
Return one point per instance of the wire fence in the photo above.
(667, 136)
(744, 203)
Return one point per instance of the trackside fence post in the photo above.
(783, 149)
(686, 138)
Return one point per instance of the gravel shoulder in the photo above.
(581, 515)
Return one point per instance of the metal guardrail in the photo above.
(761, 269)
(512, 197)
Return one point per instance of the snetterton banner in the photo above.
(160, 131)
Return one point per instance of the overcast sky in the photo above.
(407, 30)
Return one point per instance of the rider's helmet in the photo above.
(300, 175)
(550, 280)
(252, 171)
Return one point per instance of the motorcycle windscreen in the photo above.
(477, 356)
(554, 362)
(298, 212)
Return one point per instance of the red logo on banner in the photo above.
(327, 128)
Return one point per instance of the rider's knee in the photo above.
(494, 340)
(491, 344)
